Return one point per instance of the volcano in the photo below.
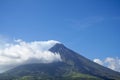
(73, 66)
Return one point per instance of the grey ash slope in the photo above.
(84, 65)
(72, 67)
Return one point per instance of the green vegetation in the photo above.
(80, 76)
(72, 76)
(58, 78)
(26, 78)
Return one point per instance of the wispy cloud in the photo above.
(98, 61)
(112, 63)
(86, 22)
(89, 22)
(21, 52)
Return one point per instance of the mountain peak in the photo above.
(57, 47)
(72, 64)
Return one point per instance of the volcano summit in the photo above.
(66, 65)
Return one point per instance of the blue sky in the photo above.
(89, 27)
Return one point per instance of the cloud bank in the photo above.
(21, 52)
(112, 63)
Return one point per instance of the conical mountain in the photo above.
(84, 65)
(72, 67)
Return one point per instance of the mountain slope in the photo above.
(83, 64)
(51, 71)
(72, 67)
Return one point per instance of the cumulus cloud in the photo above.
(21, 52)
(112, 63)
(98, 61)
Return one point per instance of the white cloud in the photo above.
(21, 52)
(112, 63)
(98, 61)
